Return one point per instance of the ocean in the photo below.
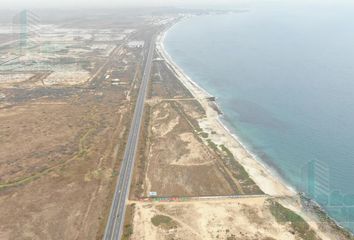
(284, 79)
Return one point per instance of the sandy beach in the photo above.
(266, 178)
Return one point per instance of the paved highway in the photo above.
(114, 227)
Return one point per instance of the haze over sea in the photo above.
(284, 79)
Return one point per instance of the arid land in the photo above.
(193, 180)
(65, 112)
(65, 109)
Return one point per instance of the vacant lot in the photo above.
(57, 160)
(179, 163)
(230, 219)
(176, 157)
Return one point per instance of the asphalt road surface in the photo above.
(114, 227)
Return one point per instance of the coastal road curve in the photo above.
(114, 226)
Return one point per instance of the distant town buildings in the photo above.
(136, 44)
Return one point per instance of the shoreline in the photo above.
(267, 178)
(213, 117)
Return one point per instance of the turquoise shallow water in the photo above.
(284, 78)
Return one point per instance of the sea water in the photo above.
(284, 78)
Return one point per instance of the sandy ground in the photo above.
(67, 78)
(178, 163)
(229, 219)
(14, 78)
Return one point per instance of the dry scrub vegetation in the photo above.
(57, 161)
(229, 219)
(175, 156)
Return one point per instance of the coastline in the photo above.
(266, 177)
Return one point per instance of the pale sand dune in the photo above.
(14, 78)
(67, 78)
(210, 220)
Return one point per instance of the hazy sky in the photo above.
(107, 3)
(14, 4)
